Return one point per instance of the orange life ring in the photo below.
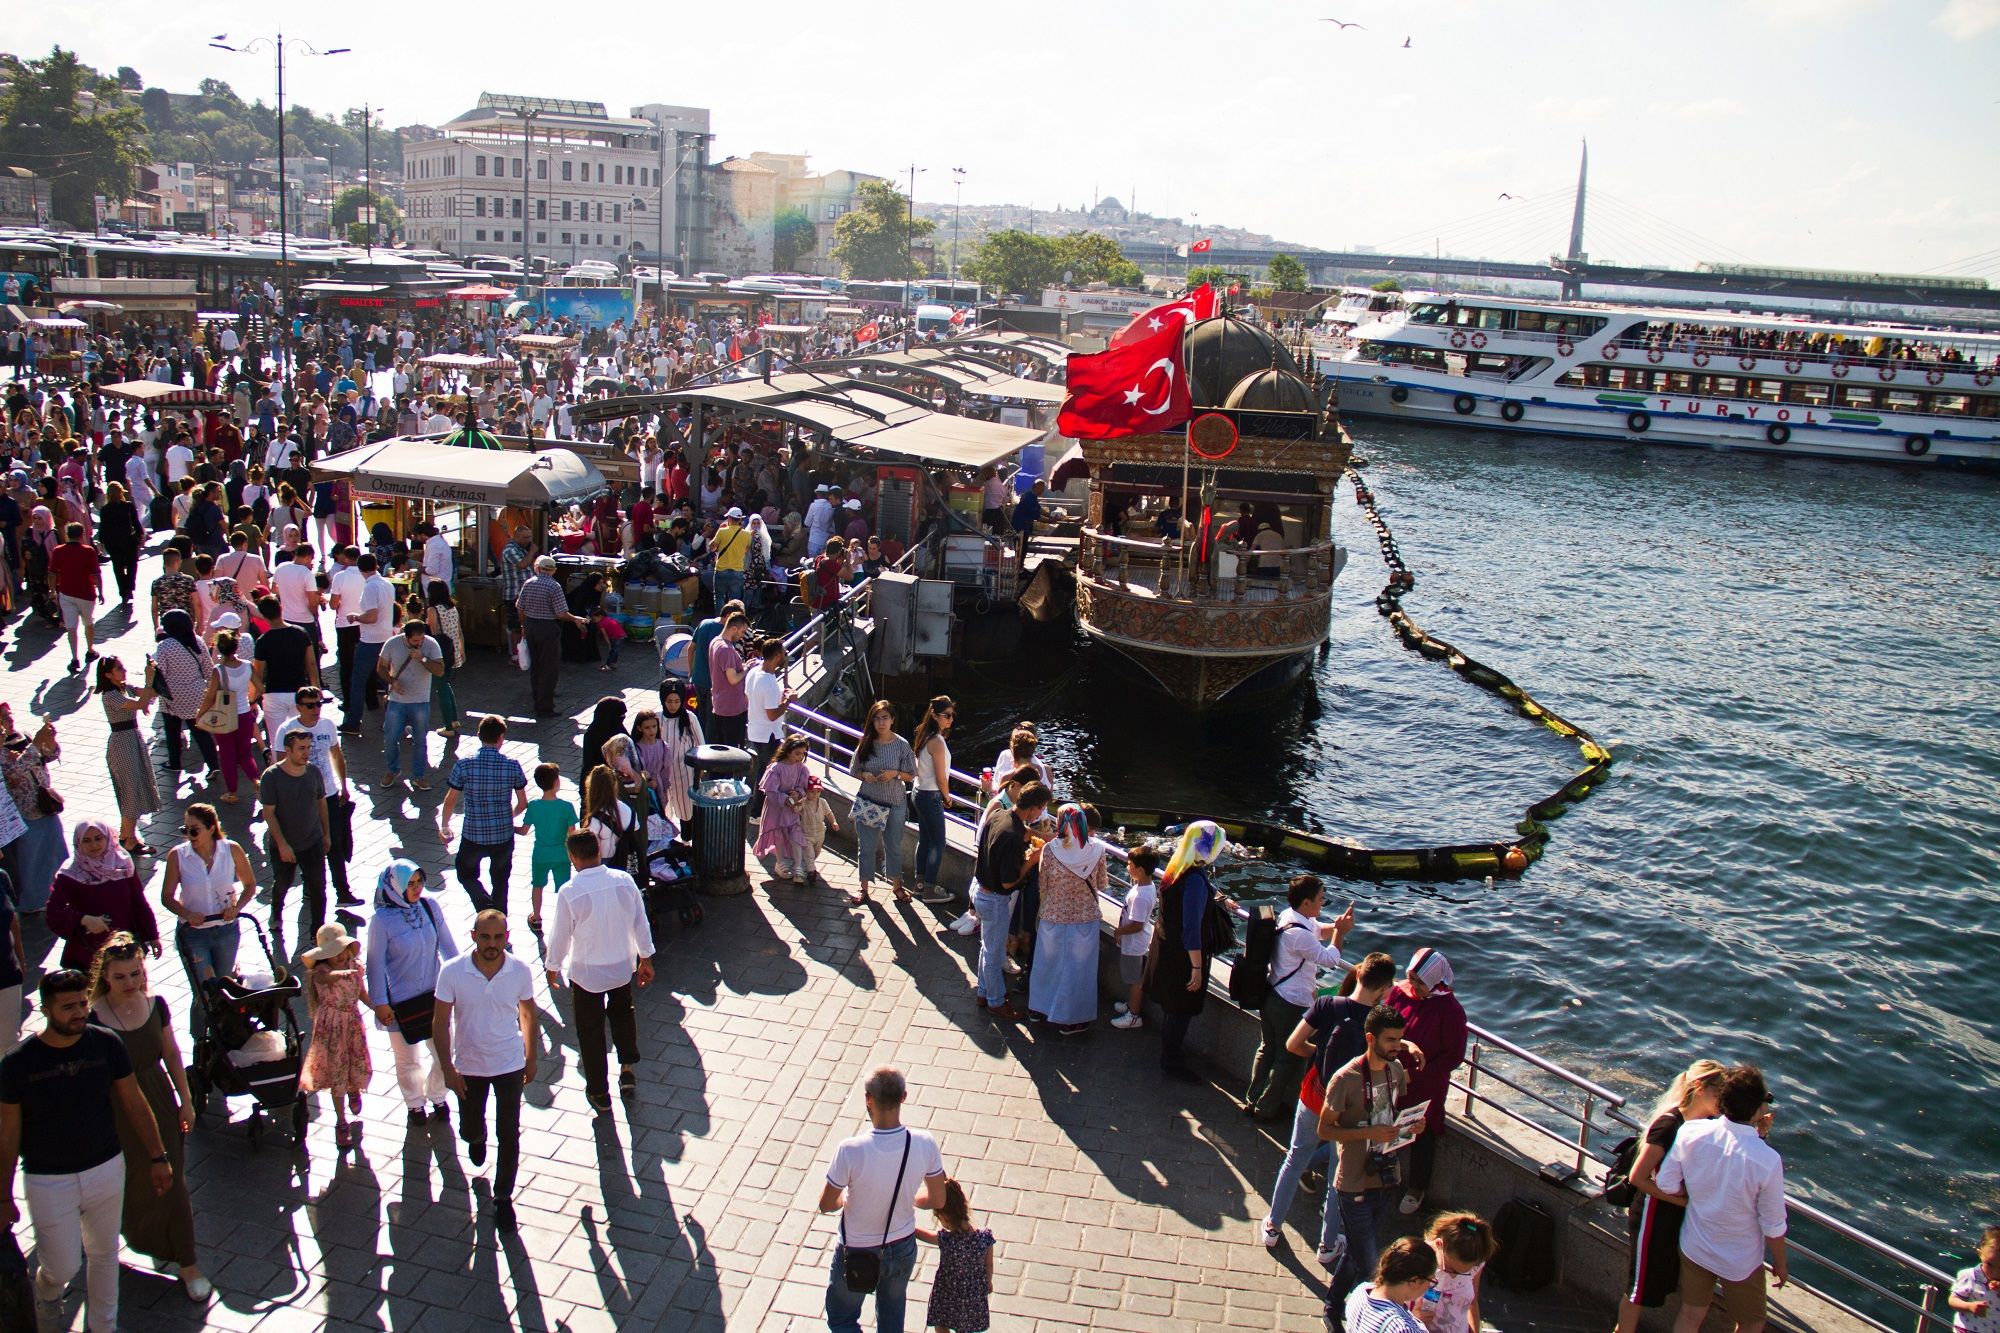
(1840, 370)
(1610, 351)
(1564, 347)
(1934, 376)
(1701, 358)
(1747, 362)
(1794, 366)
(1478, 340)
(1982, 377)
(1458, 338)
(1887, 374)
(1655, 355)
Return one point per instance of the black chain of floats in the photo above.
(1462, 862)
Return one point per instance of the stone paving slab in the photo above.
(1121, 1202)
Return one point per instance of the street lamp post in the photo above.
(957, 215)
(277, 44)
(910, 224)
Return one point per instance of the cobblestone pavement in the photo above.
(1120, 1202)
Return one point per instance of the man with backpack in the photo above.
(1299, 947)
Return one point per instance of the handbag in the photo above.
(862, 1269)
(870, 814)
(413, 1016)
(47, 801)
(219, 718)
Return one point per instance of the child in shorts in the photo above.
(551, 818)
(1975, 1294)
(1135, 935)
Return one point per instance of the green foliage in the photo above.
(793, 236)
(1014, 261)
(1089, 256)
(1217, 277)
(873, 241)
(1287, 273)
(347, 206)
(128, 79)
(1387, 285)
(81, 146)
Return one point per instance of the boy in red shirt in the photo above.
(73, 568)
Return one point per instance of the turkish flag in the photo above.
(1135, 389)
(1196, 305)
(958, 317)
(866, 333)
(1201, 247)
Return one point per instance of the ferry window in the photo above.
(1725, 386)
(1426, 314)
(1680, 382)
(1528, 321)
(1812, 395)
(567, 167)
(1950, 404)
(1577, 377)
(1902, 400)
(1985, 405)
(1429, 358)
(1855, 396)
(1487, 319)
(1770, 391)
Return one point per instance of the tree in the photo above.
(80, 145)
(1287, 273)
(1089, 256)
(1015, 261)
(874, 239)
(347, 206)
(793, 236)
(1216, 276)
(1387, 285)
(128, 79)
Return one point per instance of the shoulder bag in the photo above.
(219, 718)
(413, 1015)
(862, 1269)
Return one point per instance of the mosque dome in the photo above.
(1270, 390)
(1224, 351)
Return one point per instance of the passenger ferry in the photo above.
(1768, 384)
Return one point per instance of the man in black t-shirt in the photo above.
(61, 1092)
(283, 664)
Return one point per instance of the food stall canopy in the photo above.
(1046, 350)
(60, 322)
(415, 469)
(849, 411)
(786, 330)
(344, 288)
(543, 342)
(465, 361)
(99, 307)
(479, 292)
(153, 393)
(845, 310)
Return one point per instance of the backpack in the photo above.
(1218, 929)
(1526, 1258)
(1618, 1190)
(1250, 980)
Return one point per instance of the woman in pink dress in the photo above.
(666, 759)
(782, 834)
(337, 1057)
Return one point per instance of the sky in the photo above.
(1851, 134)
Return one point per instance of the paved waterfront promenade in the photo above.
(1120, 1201)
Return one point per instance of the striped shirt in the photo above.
(1369, 1313)
(541, 598)
(513, 569)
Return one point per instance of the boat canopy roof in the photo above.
(850, 412)
(965, 373)
(1046, 350)
(1695, 315)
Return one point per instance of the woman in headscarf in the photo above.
(757, 564)
(585, 599)
(32, 858)
(1063, 985)
(666, 759)
(75, 508)
(1436, 1026)
(1183, 947)
(38, 543)
(407, 943)
(792, 547)
(227, 600)
(185, 667)
(97, 894)
(606, 721)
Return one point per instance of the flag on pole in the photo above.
(1201, 247)
(958, 316)
(1136, 389)
(1198, 304)
(866, 333)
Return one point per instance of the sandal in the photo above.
(902, 894)
(354, 1103)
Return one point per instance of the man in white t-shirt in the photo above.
(179, 459)
(485, 1030)
(876, 1183)
(281, 453)
(374, 615)
(343, 594)
(819, 520)
(1734, 1184)
(298, 591)
(139, 481)
(764, 687)
(439, 566)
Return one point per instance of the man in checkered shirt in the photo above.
(494, 791)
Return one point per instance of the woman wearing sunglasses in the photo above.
(208, 882)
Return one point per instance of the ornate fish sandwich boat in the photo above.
(1207, 557)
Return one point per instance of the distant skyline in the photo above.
(1853, 134)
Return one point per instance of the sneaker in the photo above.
(933, 893)
(1126, 1022)
(1072, 1029)
(1411, 1202)
(503, 1215)
(1331, 1258)
(1120, 1008)
(475, 1151)
(1268, 1233)
(600, 1102)
(1010, 967)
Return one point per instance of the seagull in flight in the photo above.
(1406, 43)
(1342, 24)
(1505, 195)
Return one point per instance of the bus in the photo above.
(878, 296)
(940, 291)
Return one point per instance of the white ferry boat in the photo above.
(1763, 383)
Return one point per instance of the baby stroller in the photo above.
(250, 1043)
(35, 573)
(668, 884)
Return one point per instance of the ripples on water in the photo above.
(1795, 860)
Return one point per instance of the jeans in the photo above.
(843, 1307)
(1361, 1217)
(310, 870)
(1276, 1072)
(888, 838)
(500, 858)
(930, 836)
(994, 910)
(212, 950)
(1299, 1155)
(415, 719)
(506, 1090)
(354, 707)
(728, 586)
(78, 1217)
(592, 1009)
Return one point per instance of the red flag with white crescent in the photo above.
(1202, 246)
(958, 316)
(1136, 389)
(1198, 304)
(866, 333)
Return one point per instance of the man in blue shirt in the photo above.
(704, 635)
(495, 793)
(1027, 513)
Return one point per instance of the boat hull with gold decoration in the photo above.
(1207, 559)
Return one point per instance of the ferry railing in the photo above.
(1725, 355)
(1307, 570)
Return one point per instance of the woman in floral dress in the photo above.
(337, 1058)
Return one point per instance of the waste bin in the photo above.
(721, 798)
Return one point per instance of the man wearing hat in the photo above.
(819, 518)
(732, 549)
(856, 530)
(543, 611)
